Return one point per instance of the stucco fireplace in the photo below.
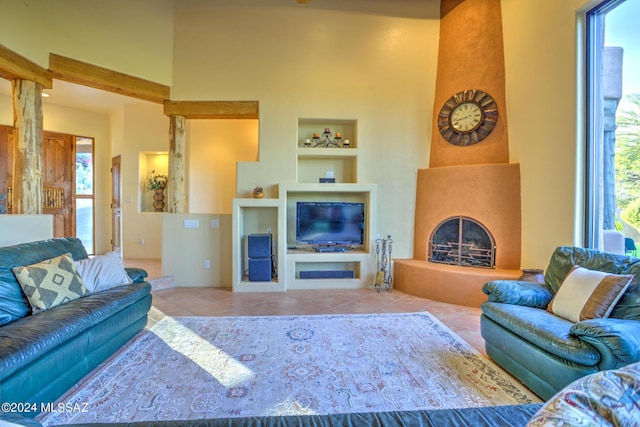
(474, 180)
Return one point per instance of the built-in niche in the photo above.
(152, 163)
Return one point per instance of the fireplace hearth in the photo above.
(462, 241)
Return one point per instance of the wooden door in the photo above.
(116, 210)
(58, 178)
(58, 182)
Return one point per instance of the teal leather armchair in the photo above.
(547, 352)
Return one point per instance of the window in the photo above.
(84, 193)
(613, 133)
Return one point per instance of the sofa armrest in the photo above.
(136, 274)
(518, 292)
(617, 340)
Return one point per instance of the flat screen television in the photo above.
(330, 223)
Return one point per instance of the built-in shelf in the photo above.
(316, 163)
(338, 162)
(279, 216)
(256, 216)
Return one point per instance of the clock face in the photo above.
(467, 117)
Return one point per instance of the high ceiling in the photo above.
(81, 97)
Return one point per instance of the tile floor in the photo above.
(465, 321)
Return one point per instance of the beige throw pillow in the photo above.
(588, 294)
(103, 272)
(51, 282)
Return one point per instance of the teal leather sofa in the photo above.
(488, 416)
(547, 352)
(43, 355)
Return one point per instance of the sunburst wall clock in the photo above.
(468, 117)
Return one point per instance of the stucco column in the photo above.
(177, 185)
(28, 143)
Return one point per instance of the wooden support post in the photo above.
(177, 183)
(28, 143)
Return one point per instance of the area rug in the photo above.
(213, 367)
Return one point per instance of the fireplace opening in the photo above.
(462, 241)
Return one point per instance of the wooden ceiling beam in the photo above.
(212, 109)
(14, 66)
(85, 74)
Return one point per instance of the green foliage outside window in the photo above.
(84, 173)
(627, 160)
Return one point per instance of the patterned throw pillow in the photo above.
(588, 294)
(51, 282)
(607, 398)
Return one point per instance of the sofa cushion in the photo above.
(103, 272)
(588, 294)
(13, 303)
(607, 398)
(565, 257)
(51, 282)
(542, 329)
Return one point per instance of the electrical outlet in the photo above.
(191, 223)
(268, 230)
(329, 174)
(215, 223)
(207, 263)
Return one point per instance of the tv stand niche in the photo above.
(360, 260)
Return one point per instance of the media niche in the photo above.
(330, 226)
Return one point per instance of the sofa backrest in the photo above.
(565, 257)
(13, 303)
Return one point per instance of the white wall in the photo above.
(310, 63)
(544, 77)
(133, 37)
(144, 129)
(197, 257)
(215, 147)
(16, 229)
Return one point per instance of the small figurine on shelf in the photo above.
(258, 192)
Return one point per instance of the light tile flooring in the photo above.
(465, 321)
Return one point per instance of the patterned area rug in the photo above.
(211, 367)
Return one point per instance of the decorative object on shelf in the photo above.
(258, 192)
(326, 140)
(467, 117)
(383, 260)
(157, 183)
(158, 200)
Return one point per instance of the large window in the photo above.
(613, 149)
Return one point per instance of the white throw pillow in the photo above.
(103, 272)
(588, 294)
